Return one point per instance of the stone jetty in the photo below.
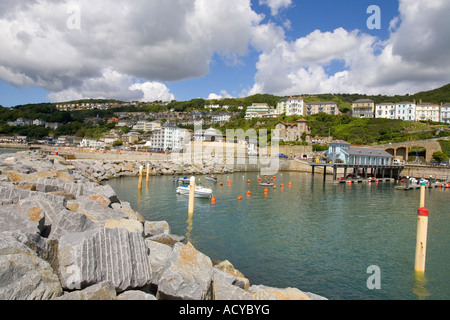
(65, 236)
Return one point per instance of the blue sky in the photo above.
(219, 48)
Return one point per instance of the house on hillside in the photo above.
(291, 106)
(328, 107)
(445, 113)
(294, 131)
(363, 108)
(427, 111)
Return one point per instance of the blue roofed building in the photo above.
(340, 151)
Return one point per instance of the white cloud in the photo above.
(276, 5)
(151, 41)
(153, 91)
(416, 57)
(223, 94)
(127, 49)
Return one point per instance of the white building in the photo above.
(256, 110)
(405, 111)
(169, 137)
(147, 126)
(291, 106)
(385, 110)
(445, 113)
(222, 117)
(427, 111)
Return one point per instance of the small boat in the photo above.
(199, 192)
(212, 178)
(183, 180)
(267, 184)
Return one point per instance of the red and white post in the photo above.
(422, 233)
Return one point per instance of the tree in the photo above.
(439, 156)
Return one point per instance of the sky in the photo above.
(148, 50)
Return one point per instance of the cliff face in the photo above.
(64, 236)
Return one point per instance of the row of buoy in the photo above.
(249, 193)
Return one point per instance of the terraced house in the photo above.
(427, 111)
(363, 108)
(445, 113)
(328, 107)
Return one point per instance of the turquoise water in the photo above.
(317, 237)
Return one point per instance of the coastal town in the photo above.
(171, 130)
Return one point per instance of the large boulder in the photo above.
(71, 222)
(25, 276)
(101, 254)
(187, 276)
(238, 278)
(102, 291)
(15, 217)
(261, 292)
(159, 255)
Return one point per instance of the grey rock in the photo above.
(108, 192)
(71, 222)
(96, 210)
(14, 217)
(188, 275)
(101, 291)
(154, 228)
(230, 279)
(314, 296)
(50, 209)
(169, 239)
(159, 255)
(24, 275)
(223, 290)
(104, 254)
(135, 295)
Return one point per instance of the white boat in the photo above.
(199, 192)
(268, 184)
(183, 180)
(212, 178)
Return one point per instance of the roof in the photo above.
(339, 142)
(287, 124)
(367, 152)
(363, 100)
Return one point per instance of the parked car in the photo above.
(434, 163)
(282, 155)
(445, 164)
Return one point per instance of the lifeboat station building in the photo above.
(341, 155)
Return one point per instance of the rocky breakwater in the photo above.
(64, 236)
(101, 170)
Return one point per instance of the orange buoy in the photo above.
(282, 186)
(221, 184)
(274, 187)
(213, 200)
(290, 184)
(266, 190)
(249, 193)
(248, 180)
(229, 181)
(240, 198)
